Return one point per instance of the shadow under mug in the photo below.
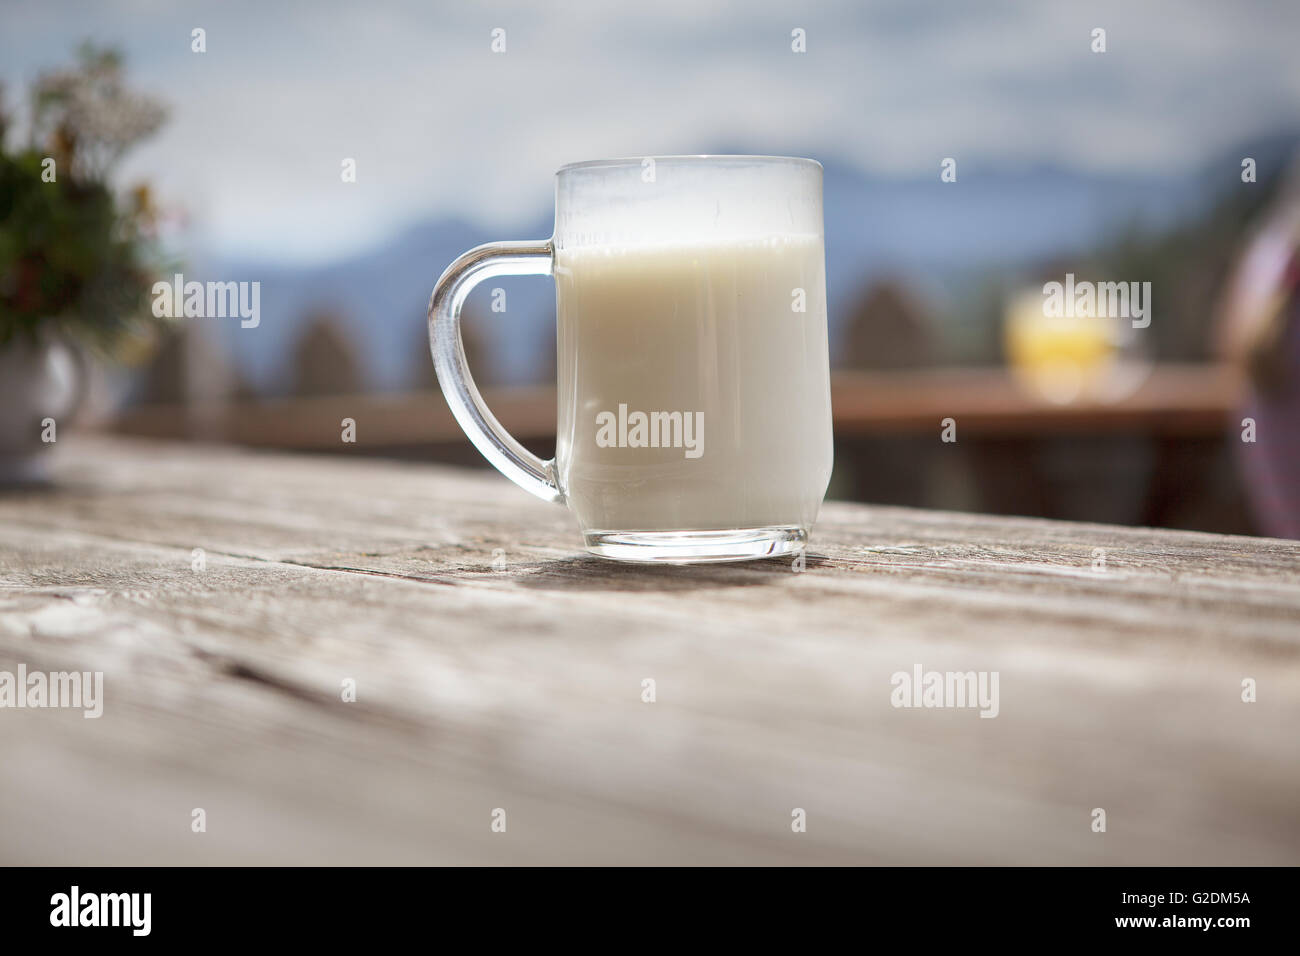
(694, 411)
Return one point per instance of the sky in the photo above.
(440, 125)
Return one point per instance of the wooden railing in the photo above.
(1190, 400)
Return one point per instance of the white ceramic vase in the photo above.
(41, 385)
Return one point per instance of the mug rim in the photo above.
(691, 158)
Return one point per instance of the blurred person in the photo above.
(1259, 333)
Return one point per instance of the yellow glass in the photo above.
(1064, 359)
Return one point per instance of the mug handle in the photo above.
(497, 445)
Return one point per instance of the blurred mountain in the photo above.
(932, 236)
(380, 300)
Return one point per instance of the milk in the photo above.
(694, 390)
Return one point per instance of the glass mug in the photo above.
(694, 407)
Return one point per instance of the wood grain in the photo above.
(520, 688)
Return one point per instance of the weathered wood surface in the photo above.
(520, 688)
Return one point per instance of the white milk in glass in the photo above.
(694, 392)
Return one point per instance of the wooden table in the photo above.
(496, 666)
